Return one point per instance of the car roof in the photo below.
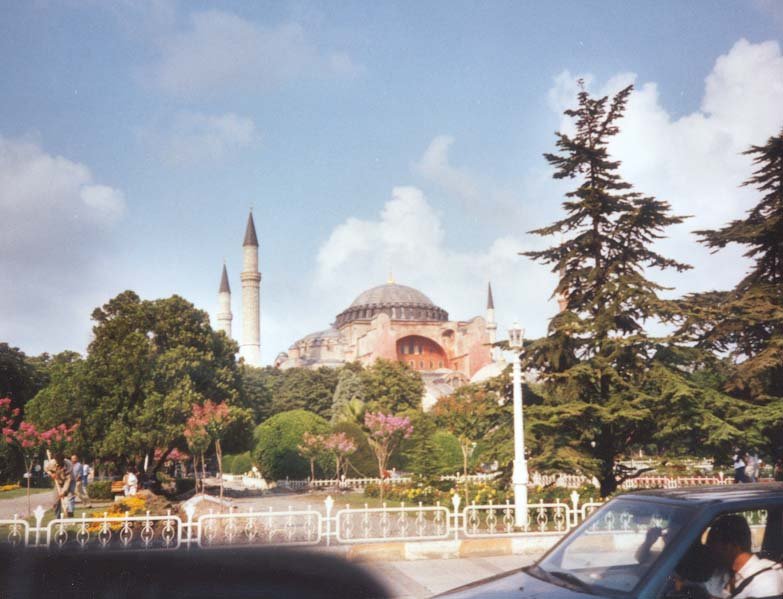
(716, 493)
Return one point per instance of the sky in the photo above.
(136, 135)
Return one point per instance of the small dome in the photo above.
(399, 302)
(319, 337)
(489, 371)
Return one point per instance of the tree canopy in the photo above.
(607, 384)
(746, 322)
(149, 362)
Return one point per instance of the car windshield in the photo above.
(616, 547)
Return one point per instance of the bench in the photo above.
(117, 488)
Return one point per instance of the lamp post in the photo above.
(520, 476)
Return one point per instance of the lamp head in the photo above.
(515, 334)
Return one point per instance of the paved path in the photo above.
(18, 505)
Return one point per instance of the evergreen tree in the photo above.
(599, 368)
(348, 401)
(746, 322)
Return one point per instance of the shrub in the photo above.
(100, 489)
(277, 440)
(238, 463)
(184, 485)
(449, 454)
(363, 460)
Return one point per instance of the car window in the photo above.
(618, 545)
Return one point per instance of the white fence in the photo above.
(326, 524)
(566, 481)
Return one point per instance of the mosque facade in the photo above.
(397, 322)
(390, 321)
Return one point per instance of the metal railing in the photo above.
(314, 525)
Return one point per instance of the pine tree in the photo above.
(348, 400)
(597, 363)
(746, 322)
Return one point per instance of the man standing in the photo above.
(62, 476)
(743, 573)
(79, 487)
(739, 466)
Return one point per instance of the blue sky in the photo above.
(135, 136)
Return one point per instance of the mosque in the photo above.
(389, 321)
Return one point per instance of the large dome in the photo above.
(399, 302)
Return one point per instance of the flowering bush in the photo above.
(386, 432)
(12, 487)
(135, 505)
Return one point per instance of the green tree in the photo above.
(20, 380)
(601, 372)
(360, 463)
(746, 323)
(392, 387)
(470, 414)
(148, 364)
(258, 388)
(277, 441)
(306, 389)
(349, 396)
(420, 453)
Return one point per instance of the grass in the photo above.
(22, 492)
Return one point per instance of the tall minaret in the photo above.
(224, 316)
(492, 326)
(250, 346)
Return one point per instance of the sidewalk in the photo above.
(18, 505)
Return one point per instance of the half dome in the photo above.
(399, 302)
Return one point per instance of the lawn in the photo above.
(22, 492)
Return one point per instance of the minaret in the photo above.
(224, 316)
(250, 346)
(492, 326)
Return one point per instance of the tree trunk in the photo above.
(465, 450)
(203, 473)
(608, 480)
(195, 472)
(29, 476)
(219, 454)
(312, 471)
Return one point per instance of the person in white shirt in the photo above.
(742, 575)
(739, 467)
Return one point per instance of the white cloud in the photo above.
(434, 165)
(54, 221)
(193, 137)
(695, 162)
(220, 50)
(408, 238)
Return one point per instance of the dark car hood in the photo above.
(514, 585)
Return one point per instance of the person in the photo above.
(61, 473)
(778, 473)
(130, 483)
(645, 553)
(739, 466)
(78, 480)
(753, 467)
(741, 574)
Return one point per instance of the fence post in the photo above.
(39, 514)
(455, 501)
(190, 510)
(329, 504)
(575, 504)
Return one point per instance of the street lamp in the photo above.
(520, 476)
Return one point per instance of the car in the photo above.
(636, 544)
